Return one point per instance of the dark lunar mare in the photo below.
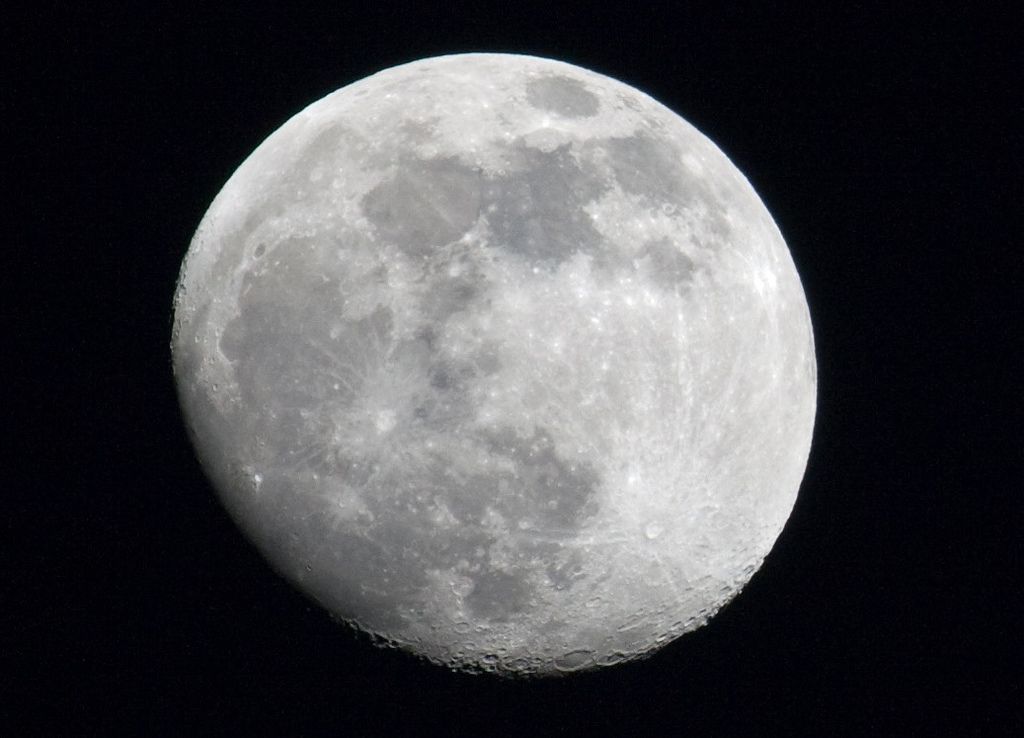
(300, 366)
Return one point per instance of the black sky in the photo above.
(887, 145)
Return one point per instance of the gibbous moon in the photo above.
(501, 361)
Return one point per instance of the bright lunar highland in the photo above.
(501, 361)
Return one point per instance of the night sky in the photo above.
(885, 143)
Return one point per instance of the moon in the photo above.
(501, 361)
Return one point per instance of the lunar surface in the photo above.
(501, 361)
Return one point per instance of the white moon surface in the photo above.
(501, 361)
